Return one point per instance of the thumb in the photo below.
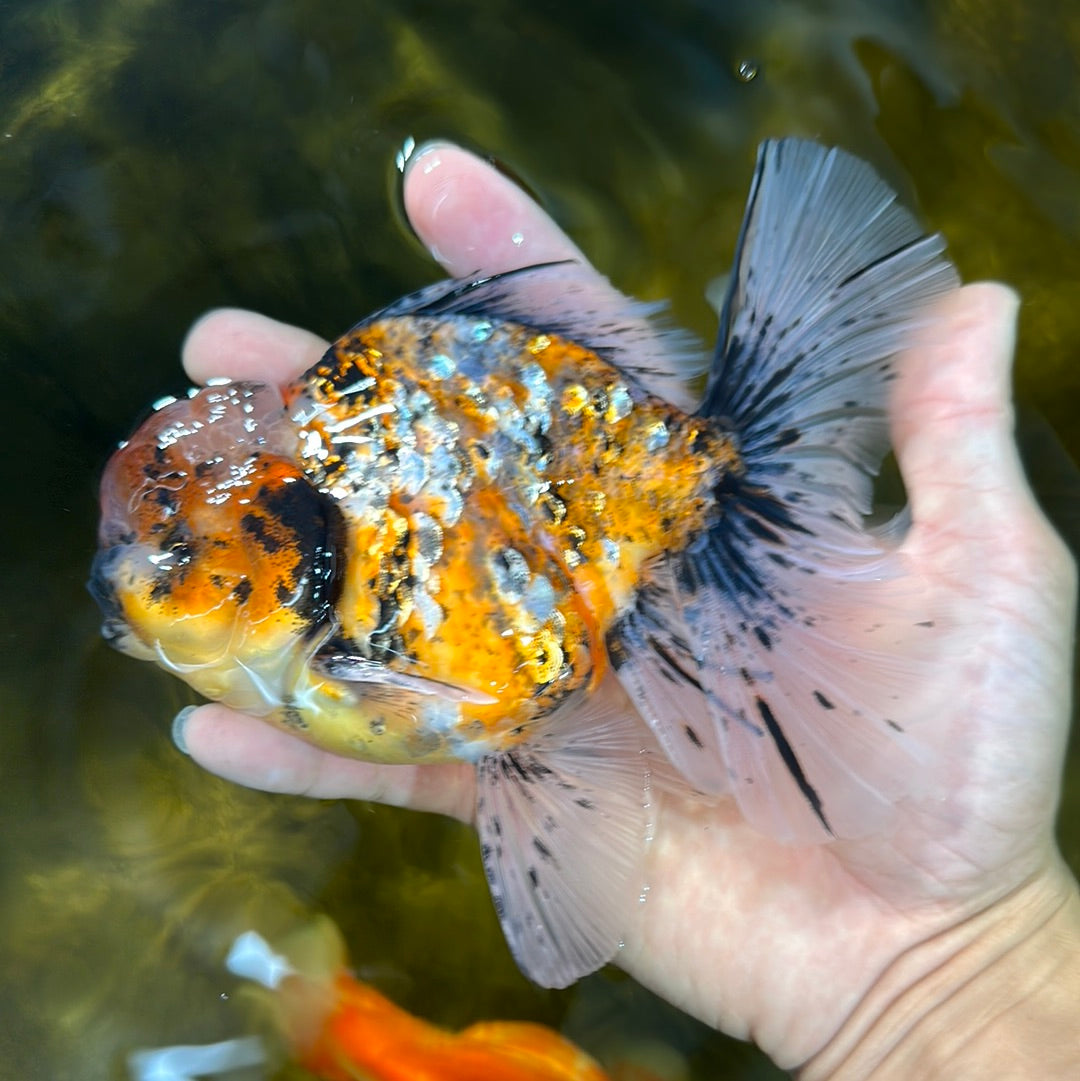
(952, 422)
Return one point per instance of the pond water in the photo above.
(160, 157)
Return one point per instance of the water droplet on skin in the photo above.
(746, 71)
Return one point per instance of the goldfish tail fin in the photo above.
(563, 823)
(778, 656)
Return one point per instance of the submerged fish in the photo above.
(339, 1028)
(475, 530)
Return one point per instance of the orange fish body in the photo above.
(367, 1037)
(477, 531)
(342, 1029)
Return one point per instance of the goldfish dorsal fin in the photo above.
(573, 301)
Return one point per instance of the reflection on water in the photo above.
(159, 158)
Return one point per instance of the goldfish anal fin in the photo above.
(563, 823)
(780, 656)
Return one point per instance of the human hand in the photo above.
(805, 950)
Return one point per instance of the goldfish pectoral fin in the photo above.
(573, 301)
(563, 824)
(350, 668)
(781, 654)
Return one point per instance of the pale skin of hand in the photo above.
(951, 949)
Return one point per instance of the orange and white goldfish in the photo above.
(339, 1028)
(342, 1029)
(478, 530)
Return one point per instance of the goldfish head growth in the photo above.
(216, 554)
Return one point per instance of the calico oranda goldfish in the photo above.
(479, 530)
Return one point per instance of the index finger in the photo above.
(237, 344)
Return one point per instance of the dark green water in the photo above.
(158, 158)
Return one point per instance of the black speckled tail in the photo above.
(768, 656)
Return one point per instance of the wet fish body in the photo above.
(475, 530)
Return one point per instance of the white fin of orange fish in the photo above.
(564, 822)
(781, 656)
(573, 301)
(186, 1062)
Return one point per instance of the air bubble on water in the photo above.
(746, 71)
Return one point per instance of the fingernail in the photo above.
(179, 722)
(426, 156)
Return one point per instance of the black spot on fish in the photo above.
(161, 588)
(693, 737)
(293, 717)
(791, 761)
(255, 527)
(763, 532)
(182, 553)
(534, 878)
(925, 623)
(166, 499)
(242, 590)
(762, 637)
(545, 852)
(671, 665)
(823, 701)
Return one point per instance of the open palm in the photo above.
(780, 944)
